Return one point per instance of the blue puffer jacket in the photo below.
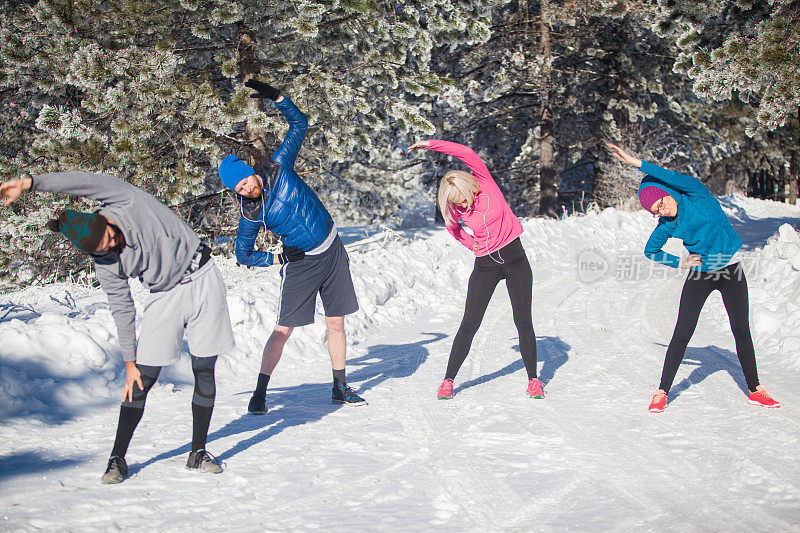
(288, 207)
(700, 223)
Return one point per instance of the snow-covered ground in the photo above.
(588, 457)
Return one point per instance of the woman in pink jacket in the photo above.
(475, 201)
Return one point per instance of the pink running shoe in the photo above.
(445, 391)
(535, 389)
(760, 397)
(659, 402)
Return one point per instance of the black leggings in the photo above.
(511, 264)
(205, 391)
(732, 285)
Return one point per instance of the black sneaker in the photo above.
(116, 472)
(204, 462)
(344, 394)
(257, 405)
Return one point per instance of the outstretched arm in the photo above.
(107, 189)
(120, 301)
(464, 153)
(674, 179)
(623, 156)
(286, 154)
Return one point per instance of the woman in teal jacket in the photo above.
(688, 211)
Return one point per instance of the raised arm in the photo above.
(671, 178)
(676, 180)
(286, 154)
(107, 189)
(465, 154)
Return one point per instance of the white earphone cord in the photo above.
(486, 227)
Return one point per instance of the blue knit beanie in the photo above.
(232, 170)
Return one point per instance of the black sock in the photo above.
(129, 418)
(261, 385)
(338, 378)
(201, 418)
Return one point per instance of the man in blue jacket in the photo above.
(313, 259)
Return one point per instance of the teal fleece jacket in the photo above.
(701, 223)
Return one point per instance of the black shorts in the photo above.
(327, 274)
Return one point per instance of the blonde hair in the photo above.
(453, 184)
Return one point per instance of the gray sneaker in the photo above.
(116, 472)
(203, 461)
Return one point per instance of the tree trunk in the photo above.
(547, 140)
(771, 183)
(730, 179)
(780, 193)
(248, 66)
(793, 172)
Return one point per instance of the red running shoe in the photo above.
(445, 391)
(659, 402)
(535, 389)
(760, 397)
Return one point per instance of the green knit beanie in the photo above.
(84, 230)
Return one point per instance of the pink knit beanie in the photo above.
(650, 195)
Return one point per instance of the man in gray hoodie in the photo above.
(134, 235)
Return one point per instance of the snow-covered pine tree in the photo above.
(610, 78)
(744, 52)
(744, 48)
(152, 92)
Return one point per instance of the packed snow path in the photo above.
(587, 457)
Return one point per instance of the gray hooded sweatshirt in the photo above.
(158, 245)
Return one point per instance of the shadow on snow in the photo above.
(52, 402)
(310, 402)
(552, 351)
(753, 231)
(21, 463)
(708, 361)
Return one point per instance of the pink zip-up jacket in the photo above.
(489, 217)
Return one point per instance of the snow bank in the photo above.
(57, 354)
(775, 295)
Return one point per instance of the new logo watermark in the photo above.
(633, 266)
(591, 266)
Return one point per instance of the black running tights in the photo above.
(732, 285)
(202, 404)
(511, 264)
